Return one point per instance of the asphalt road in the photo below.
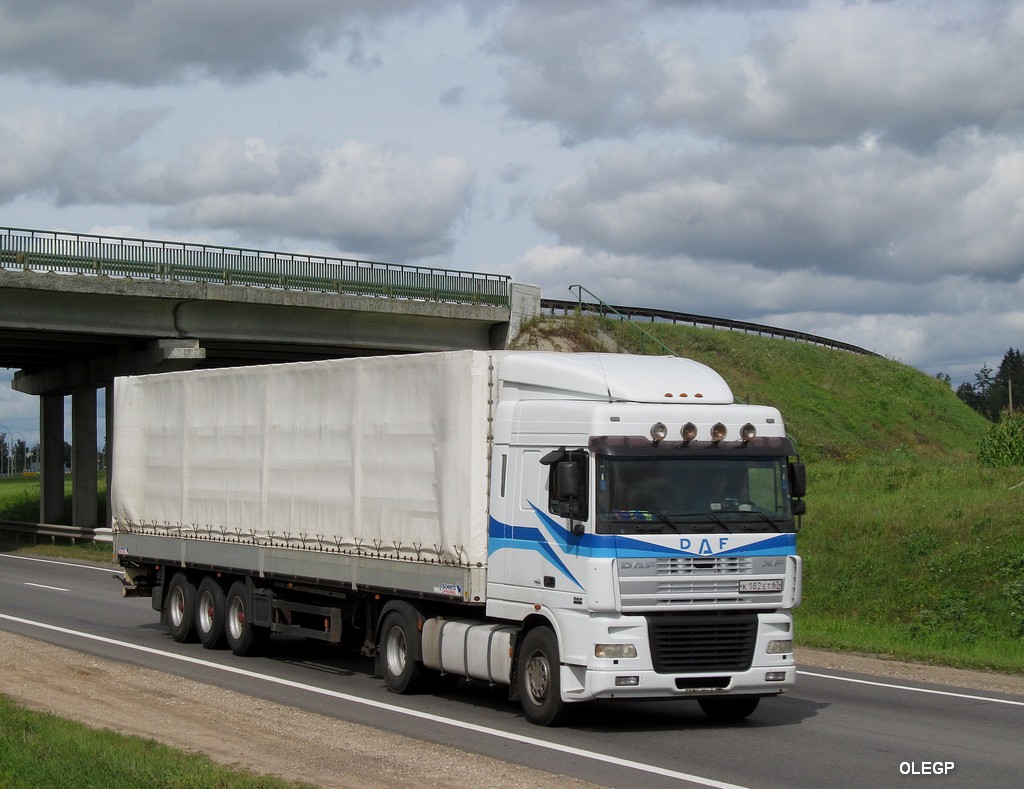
(836, 729)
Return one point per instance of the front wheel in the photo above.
(539, 679)
(728, 709)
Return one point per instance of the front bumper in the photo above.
(760, 671)
(582, 684)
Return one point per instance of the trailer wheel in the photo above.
(402, 673)
(728, 709)
(539, 680)
(181, 608)
(211, 604)
(243, 637)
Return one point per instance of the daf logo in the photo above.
(773, 562)
(638, 564)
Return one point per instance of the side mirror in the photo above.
(568, 479)
(567, 483)
(797, 479)
(568, 476)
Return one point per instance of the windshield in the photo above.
(637, 495)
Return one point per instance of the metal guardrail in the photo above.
(57, 530)
(82, 253)
(566, 306)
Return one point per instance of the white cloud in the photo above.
(139, 43)
(75, 159)
(882, 213)
(822, 75)
(366, 200)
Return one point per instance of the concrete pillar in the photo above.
(84, 499)
(51, 460)
(525, 305)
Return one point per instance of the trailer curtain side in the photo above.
(379, 456)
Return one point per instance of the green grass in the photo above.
(19, 501)
(911, 546)
(41, 750)
(19, 498)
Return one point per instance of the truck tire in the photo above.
(243, 637)
(181, 608)
(726, 709)
(211, 605)
(402, 672)
(539, 679)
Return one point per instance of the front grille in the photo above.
(683, 581)
(683, 643)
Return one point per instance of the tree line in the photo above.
(995, 392)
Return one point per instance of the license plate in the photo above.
(769, 585)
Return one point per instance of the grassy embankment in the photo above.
(911, 548)
(38, 750)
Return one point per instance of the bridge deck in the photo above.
(74, 253)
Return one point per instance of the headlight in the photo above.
(748, 432)
(614, 651)
(780, 647)
(658, 431)
(688, 432)
(718, 432)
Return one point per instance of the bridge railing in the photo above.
(81, 253)
(565, 306)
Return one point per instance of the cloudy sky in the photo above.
(851, 169)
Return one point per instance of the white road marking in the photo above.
(111, 569)
(44, 586)
(533, 741)
(911, 688)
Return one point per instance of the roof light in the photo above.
(688, 432)
(748, 432)
(718, 432)
(658, 431)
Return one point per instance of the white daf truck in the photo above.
(574, 526)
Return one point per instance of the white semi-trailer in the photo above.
(574, 526)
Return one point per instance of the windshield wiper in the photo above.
(641, 519)
(773, 522)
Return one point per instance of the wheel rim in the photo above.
(177, 606)
(206, 615)
(236, 618)
(538, 677)
(395, 652)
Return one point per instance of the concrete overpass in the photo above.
(77, 310)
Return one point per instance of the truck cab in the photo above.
(648, 521)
